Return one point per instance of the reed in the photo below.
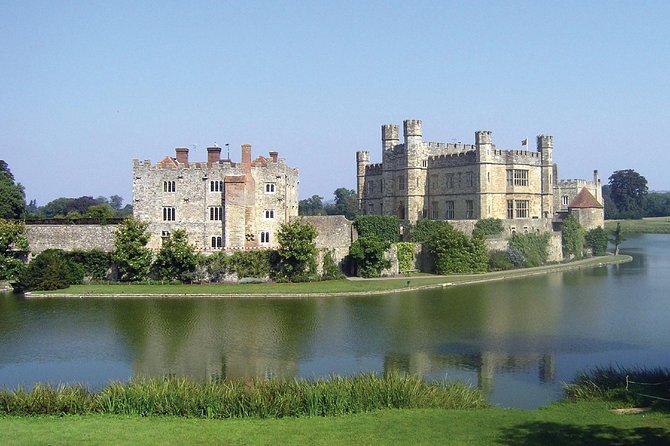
(273, 398)
(635, 386)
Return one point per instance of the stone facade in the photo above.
(220, 203)
(419, 179)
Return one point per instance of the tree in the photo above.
(13, 242)
(617, 238)
(311, 206)
(596, 239)
(52, 269)
(176, 259)
(116, 202)
(346, 203)
(628, 190)
(12, 196)
(101, 212)
(455, 252)
(295, 261)
(368, 253)
(572, 237)
(131, 255)
(529, 249)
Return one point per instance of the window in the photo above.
(434, 214)
(216, 186)
(215, 213)
(269, 188)
(449, 214)
(168, 214)
(425, 163)
(401, 182)
(565, 200)
(469, 179)
(265, 237)
(216, 242)
(165, 234)
(469, 209)
(169, 186)
(450, 181)
(510, 209)
(521, 208)
(371, 209)
(371, 187)
(269, 213)
(517, 177)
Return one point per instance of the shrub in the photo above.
(490, 226)
(131, 255)
(51, 269)
(382, 227)
(453, 251)
(533, 247)
(406, 256)
(368, 253)
(254, 264)
(572, 234)
(95, 262)
(214, 267)
(500, 261)
(596, 239)
(176, 259)
(330, 269)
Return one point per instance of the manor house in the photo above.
(420, 179)
(220, 203)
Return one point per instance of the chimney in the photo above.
(273, 156)
(182, 155)
(246, 158)
(213, 155)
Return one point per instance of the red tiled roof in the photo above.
(585, 199)
(168, 161)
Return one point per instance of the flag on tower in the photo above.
(524, 142)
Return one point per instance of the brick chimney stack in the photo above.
(246, 158)
(213, 155)
(273, 156)
(182, 155)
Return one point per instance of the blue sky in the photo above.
(87, 86)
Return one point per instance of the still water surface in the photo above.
(518, 340)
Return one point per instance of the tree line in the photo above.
(627, 196)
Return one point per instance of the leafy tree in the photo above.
(13, 242)
(295, 261)
(115, 201)
(311, 206)
(56, 207)
(596, 239)
(176, 259)
(572, 234)
(329, 268)
(617, 238)
(254, 264)
(131, 255)
(95, 262)
(657, 204)
(101, 212)
(628, 190)
(12, 196)
(346, 203)
(425, 230)
(368, 254)
(533, 249)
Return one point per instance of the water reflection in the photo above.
(517, 340)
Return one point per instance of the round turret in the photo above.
(390, 136)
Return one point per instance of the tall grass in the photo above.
(631, 386)
(238, 399)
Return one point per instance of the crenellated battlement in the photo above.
(374, 169)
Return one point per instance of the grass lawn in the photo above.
(342, 286)
(652, 225)
(558, 424)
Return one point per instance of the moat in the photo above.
(519, 339)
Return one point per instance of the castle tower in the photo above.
(484, 153)
(412, 188)
(545, 145)
(390, 137)
(362, 161)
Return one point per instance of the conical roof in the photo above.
(585, 199)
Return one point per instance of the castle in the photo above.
(222, 205)
(419, 179)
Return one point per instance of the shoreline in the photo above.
(449, 281)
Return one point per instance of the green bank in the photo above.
(651, 225)
(561, 423)
(330, 287)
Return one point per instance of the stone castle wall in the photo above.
(70, 237)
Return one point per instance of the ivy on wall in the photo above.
(406, 256)
(385, 228)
